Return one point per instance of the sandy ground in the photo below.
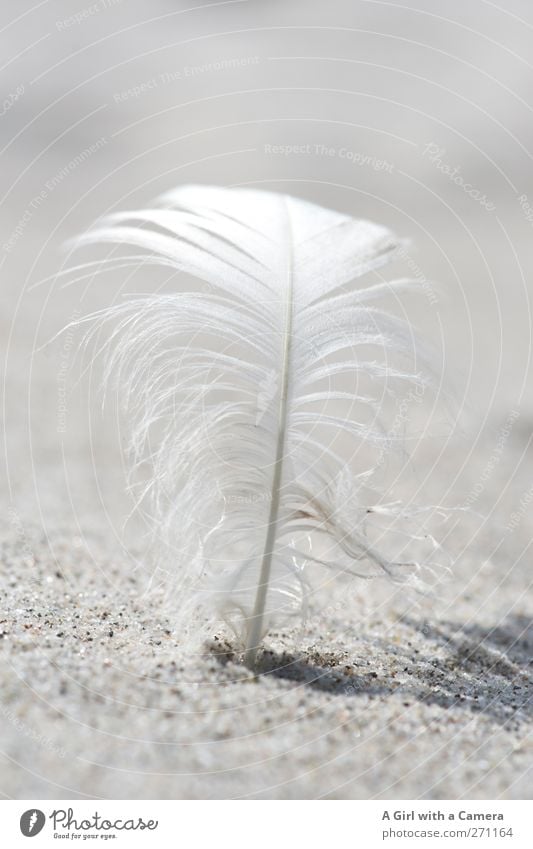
(374, 698)
(377, 695)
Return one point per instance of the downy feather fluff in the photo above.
(257, 396)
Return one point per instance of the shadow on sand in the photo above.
(466, 667)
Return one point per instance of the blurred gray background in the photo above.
(415, 115)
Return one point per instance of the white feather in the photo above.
(249, 396)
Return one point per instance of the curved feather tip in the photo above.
(258, 397)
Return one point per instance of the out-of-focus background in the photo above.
(418, 116)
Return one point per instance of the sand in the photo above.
(370, 699)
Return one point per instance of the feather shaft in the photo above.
(256, 623)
